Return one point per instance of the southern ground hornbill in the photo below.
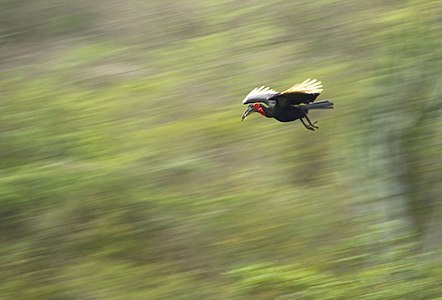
(290, 105)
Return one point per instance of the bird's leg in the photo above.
(310, 122)
(306, 125)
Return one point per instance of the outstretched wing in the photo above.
(304, 92)
(261, 94)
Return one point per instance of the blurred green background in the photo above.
(127, 174)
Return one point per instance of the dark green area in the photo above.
(127, 174)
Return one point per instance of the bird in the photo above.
(290, 105)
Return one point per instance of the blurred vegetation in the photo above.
(126, 173)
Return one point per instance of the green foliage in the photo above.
(127, 174)
(397, 280)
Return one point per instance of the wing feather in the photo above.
(260, 94)
(309, 86)
(304, 92)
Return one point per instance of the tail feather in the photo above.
(324, 104)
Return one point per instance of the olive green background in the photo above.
(127, 174)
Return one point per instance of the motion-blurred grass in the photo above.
(127, 174)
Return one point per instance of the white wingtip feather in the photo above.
(261, 90)
(309, 86)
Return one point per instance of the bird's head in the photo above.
(251, 108)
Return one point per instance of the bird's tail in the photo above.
(324, 104)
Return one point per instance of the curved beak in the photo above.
(247, 112)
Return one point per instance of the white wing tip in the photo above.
(309, 86)
(261, 89)
(258, 92)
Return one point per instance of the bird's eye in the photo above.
(256, 105)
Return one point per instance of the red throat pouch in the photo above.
(258, 107)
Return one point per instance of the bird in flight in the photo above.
(290, 105)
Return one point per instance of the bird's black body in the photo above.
(283, 113)
(293, 104)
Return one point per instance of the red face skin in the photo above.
(258, 107)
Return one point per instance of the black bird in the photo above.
(290, 105)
